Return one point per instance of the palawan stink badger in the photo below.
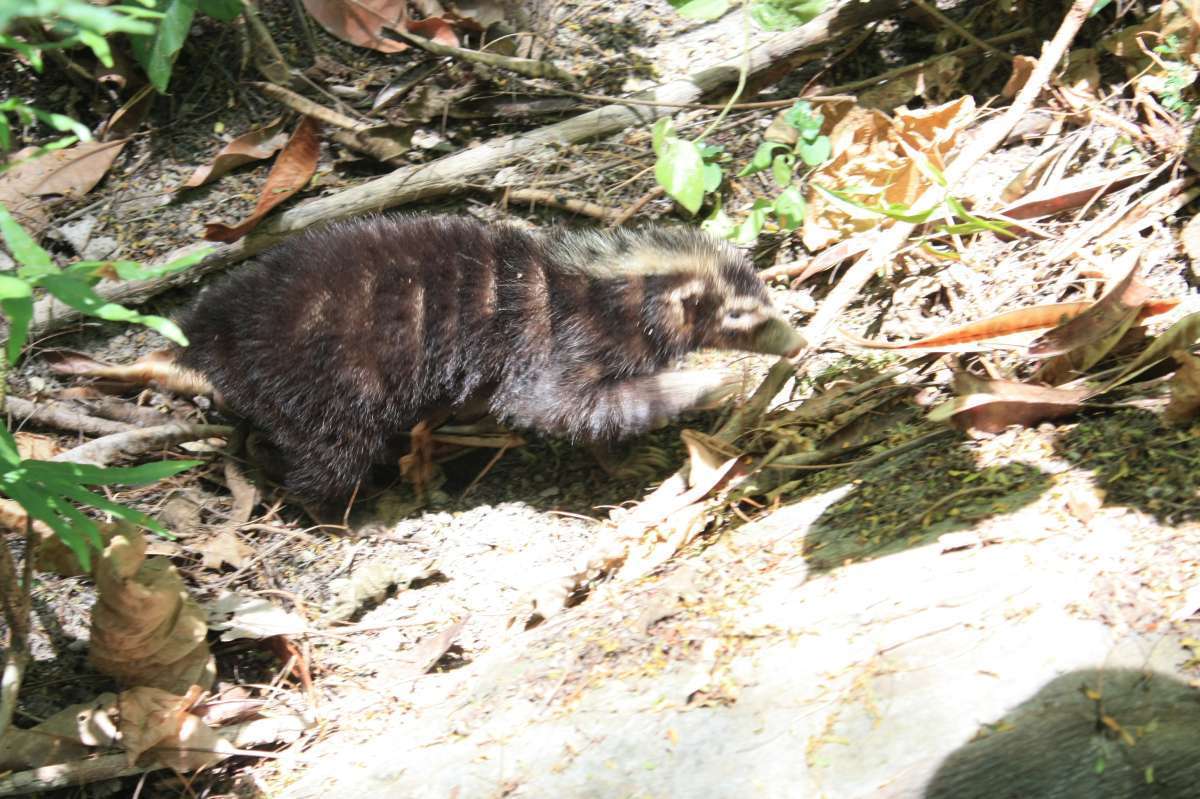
(338, 341)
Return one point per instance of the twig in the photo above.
(528, 67)
(307, 107)
(989, 137)
(104, 451)
(267, 58)
(63, 416)
(575, 206)
(637, 205)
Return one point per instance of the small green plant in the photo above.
(32, 27)
(50, 491)
(690, 170)
(1173, 86)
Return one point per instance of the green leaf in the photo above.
(156, 53)
(955, 205)
(39, 507)
(5, 136)
(98, 45)
(783, 15)
(781, 168)
(16, 299)
(33, 259)
(1098, 6)
(816, 152)
(789, 208)
(132, 270)
(718, 223)
(224, 10)
(30, 52)
(748, 229)
(700, 9)
(805, 120)
(663, 129)
(680, 171)
(145, 474)
(9, 456)
(899, 213)
(76, 293)
(712, 177)
(762, 158)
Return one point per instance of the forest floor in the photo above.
(975, 616)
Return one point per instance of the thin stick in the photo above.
(529, 67)
(959, 29)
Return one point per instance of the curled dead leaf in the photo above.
(252, 146)
(146, 629)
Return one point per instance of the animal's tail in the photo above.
(159, 368)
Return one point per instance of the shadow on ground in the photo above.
(1089, 734)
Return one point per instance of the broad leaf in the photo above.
(680, 171)
(781, 169)
(156, 53)
(816, 152)
(16, 298)
(762, 158)
(789, 208)
(77, 294)
(32, 258)
(749, 228)
(224, 10)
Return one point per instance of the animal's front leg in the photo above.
(611, 409)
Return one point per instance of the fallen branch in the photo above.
(62, 416)
(990, 136)
(452, 173)
(104, 451)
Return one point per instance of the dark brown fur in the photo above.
(337, 341)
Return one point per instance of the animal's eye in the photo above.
(735, 315)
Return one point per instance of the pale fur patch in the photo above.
(650, 251)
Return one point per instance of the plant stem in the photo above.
(743, 72)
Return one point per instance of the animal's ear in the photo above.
(687, 299)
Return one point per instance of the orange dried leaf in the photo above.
(293, 168)
(1179, 336)
(1067, 195)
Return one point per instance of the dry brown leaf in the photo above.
(438, 29)
(293, 167)
(361, 22)
(246, 494)
(65, 736)
(1118, 308)
(69, 173)
(428, 651)
(243, 616)
(146, 630)
(36, 447)
(253, 146)
(1022, 68)
(1068, 195)
(892, 157)
(224, 547)
(1179, 336)
(992, 405)
(157, 727)
(1185, 389)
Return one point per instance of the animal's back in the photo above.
(346, 335)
